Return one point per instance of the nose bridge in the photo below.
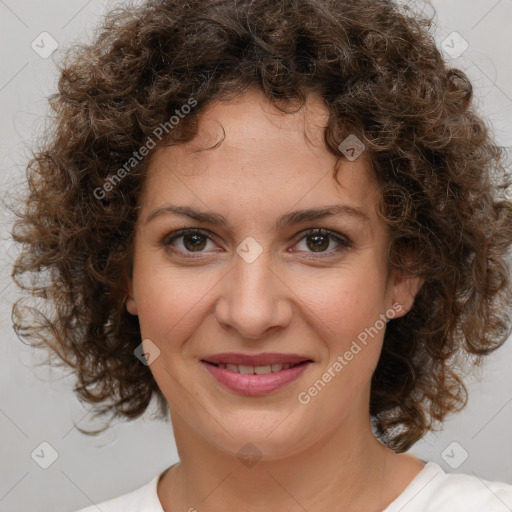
(252, 301)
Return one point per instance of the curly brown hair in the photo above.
(378, 69)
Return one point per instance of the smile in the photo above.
(255, 370)
(255, 379)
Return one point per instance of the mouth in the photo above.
(256, 374)
(256, 370)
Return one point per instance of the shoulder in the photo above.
(433, 490)
(142, 499)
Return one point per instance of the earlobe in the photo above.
(131, 305)
(129, 302)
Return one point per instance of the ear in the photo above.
(130, 303)
(404, 288)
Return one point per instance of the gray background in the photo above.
(36, 404)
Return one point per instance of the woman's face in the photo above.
(253, 279)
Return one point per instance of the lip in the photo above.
(257, 384)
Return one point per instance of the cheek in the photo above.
(345, 303)
(169, 301)
(345, 312)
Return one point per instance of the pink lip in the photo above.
(256, 384)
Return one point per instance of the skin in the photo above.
(320, 456)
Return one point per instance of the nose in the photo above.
(255, 300)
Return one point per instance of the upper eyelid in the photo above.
(186, 231)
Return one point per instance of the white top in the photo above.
(431, 490)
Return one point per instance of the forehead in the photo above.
(247, 152)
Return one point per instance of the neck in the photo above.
(348, 470)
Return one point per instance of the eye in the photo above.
(318, 240)
(195, 241)
(192, 240)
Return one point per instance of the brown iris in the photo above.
(198, 241)
(317, 241)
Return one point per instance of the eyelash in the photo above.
(344, 243)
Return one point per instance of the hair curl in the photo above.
(382, 77)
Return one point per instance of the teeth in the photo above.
(246, 370)
(261, 370)
(258, 370)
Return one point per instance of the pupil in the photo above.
(318, 241)
(198, 242)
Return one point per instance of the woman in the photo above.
(284, 221)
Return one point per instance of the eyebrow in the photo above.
(286, 220)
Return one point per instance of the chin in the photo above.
(265, 441)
